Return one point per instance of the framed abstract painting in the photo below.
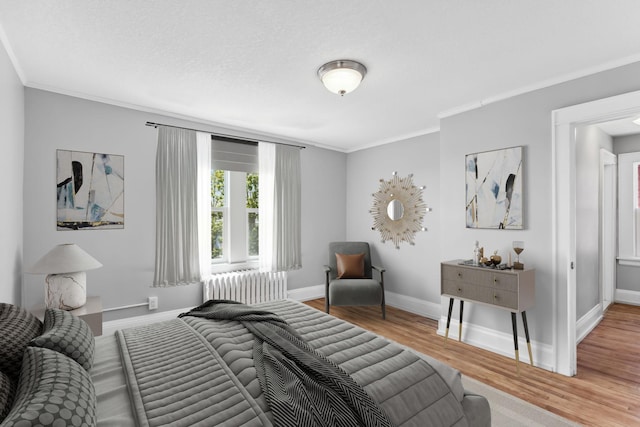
(89, 190)
(494, 189)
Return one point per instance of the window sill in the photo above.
(236, 266)
(629, 261)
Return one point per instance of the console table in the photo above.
(511, 290)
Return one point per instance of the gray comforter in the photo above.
(195, 371)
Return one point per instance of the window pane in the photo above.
(216, 234)
(217, 188)
(252, 190)
(254, 246)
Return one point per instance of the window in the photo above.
(234, 216)
(629, 208)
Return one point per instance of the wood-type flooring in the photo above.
(605, 392)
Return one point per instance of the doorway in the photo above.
(565, 122)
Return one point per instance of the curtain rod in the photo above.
(229, 138)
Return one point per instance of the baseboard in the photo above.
(306, 294)
(588, 322)
(414, 305)
(624, 296)
(109, 327)
(499, 342)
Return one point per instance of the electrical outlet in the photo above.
(153, 303)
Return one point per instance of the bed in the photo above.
(197, 371)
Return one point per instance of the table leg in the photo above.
(460, 324)
(514, 323)
(526, 333)
(446, 331)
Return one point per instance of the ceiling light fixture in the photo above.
(342, 76)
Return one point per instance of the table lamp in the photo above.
(66, 281)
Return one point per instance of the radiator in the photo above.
(248, 287)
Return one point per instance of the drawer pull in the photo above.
(459, 274)
(495, 297)
(495, 280)
(460, 290)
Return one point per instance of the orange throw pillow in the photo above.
(350, 266)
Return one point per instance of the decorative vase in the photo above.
(495, 258)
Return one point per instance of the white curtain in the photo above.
(279, 213)
(179, 187)
(204, 203)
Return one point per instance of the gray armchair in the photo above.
(363, 290)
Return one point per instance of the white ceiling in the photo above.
(620, 127)
(252, 64)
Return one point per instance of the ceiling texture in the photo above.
(251, 65)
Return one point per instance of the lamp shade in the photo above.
(342, 76)
(65, 258)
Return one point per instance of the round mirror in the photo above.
(395, 210)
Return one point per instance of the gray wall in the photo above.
(55, 121)
(627, 275)
(412, 271)
(11, 175)
(626, 144)
(589, 141)
(522, 120)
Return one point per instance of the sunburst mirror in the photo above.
(398, 210)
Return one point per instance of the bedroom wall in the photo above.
(627, 275)
(412, 279)
(521, 120)
(11, 174)
(55, 121)
(589, 141)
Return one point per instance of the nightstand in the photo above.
(91, 313)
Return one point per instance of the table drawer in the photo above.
(461, 274)
(499, 280)
(507, 299)
(464, 290)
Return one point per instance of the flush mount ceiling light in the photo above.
(342, 76)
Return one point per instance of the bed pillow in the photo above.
(53, 390)
(67, 334)
(350, 266)
(7, 393)
(18, 327)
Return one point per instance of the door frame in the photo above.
(608, 226)
(563, 162)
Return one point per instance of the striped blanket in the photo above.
(301, 386)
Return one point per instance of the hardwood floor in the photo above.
(606, 391)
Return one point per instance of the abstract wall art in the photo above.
(89, 190)
(494, 189)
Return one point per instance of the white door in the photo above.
(608, 226)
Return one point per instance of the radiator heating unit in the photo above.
(247, 287)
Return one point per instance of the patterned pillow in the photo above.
(67, 334)
(7, 392)
(18, 327)
(53, 390)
